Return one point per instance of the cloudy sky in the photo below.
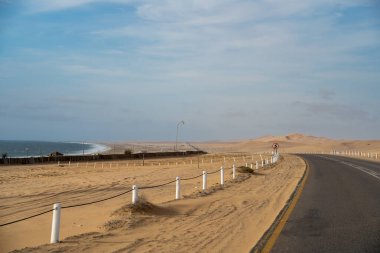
(231, 69)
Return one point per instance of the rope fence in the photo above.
(57, 206)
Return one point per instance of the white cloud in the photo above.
(88, 70)
(205, 56)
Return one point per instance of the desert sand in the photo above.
(296, 143)
(231, 218)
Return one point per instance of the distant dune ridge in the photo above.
(293, 143)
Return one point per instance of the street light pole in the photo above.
(176, 139)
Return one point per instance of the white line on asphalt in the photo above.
(368, 171)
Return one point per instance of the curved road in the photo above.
(339, 208)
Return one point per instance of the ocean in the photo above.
(44, 148)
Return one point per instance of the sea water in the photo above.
(44, 148)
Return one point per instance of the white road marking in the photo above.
(365, 170)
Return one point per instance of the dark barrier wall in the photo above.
(98, 157)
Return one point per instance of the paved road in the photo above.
(338, 211)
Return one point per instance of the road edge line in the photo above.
(267, 241)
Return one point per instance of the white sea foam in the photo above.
(95, 148)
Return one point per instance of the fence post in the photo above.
(54, 238)
(233, 171)
(204, 177)
(177, 188)
(222, 175)
(135, 195)
(262, 163)
(257, 165)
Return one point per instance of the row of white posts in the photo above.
(57, 207)
(152, 164)
(355, 153)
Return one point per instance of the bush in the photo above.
(128, 152)
(243, 169)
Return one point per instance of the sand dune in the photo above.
(294, 143)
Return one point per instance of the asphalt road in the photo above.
(338, 211)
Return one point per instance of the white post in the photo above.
(376, 156)
(58, 163)
(257, 165)
(54, 238)
(233, 171)
(262, 163)
(135, 195)
(246, 164)
(252, 165)
(69, 163)
(177, 188)
(204, 177)
(222, 175)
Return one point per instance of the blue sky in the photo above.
(131, 70)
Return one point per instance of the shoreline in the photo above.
(92, 149)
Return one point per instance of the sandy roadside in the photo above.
(231, 219)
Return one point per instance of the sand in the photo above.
(295, 143)
(226, 219)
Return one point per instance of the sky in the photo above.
(131, 70)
